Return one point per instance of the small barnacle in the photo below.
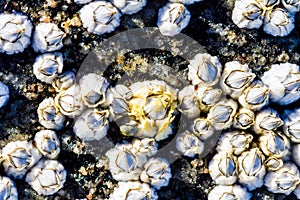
(64, 81)
(251, 168)
(188, 102)
(15, 33)
(223, 169)
(283, 81)
(119, 105)
(100, 17)
(47, 67)
(202, 128)
(69, 101)
(82, 1)
(204, 69)
(47, 177)
(186, 2)
(291, 125)
(278, 22)
(47, 143)
(244, 119)
(284, 180)
(4, 94)
(292, 6)
(47, 37)
(248, 14)
(8, 189)
(274, 144)
(255, 96)
(235, 142)
(133, 190)
(236, 78)
(226, 192)
(92, 124)
(95, 91)
(267, 120)
(189, 144)
(172, 18)
(208, 97)
(157, 173)
(146, 146)
(221, 115)
(129, 6)
(273, 163)
(18, 157)
(125, 163)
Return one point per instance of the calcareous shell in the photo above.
(189, 144)
(188, 102)
(4, 94)
(47, 143)
(129, 6)
(243, 119)
(222, 192)
(267, 120)
(8, 189)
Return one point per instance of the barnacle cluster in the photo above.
(276, 16)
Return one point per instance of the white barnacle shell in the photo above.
(100, 17)
(186, 2)
(82, 1)
(47, 37)
(64, 81)
(146, 146)
(243, 119)
(119, 105)
(208, 97)
(125, 163)
(8, 189)
(47, 67)
(189, 144)
(95, 91)
(284, 180)
(226, 192)
(248, 14)
(274, 144)
(255, 96)
(49, 115)
(235, 142)
(4, 94)
(47, 143)
(291, 126)
(273, 163)
(47, 177)
(236, 78)
(297, 191)
(132, 190)
(223, 168)
(15, 33)
(188, 103)
(70, 102)
(129, 6)
(296, 154)
(221, 115)
(157, 173)
(204, 69)
(202, 128)
(172, 18)
(278, 22)
(92, 124)
(251, 168)
(283, 81)
(267, 120)
(18, 157)
(292, 6)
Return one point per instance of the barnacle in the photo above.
(188, 102)
(47, 143)
(208, 97)
(243, 119)
(267, 120)
(119, 104)
(4, 94)
(63, 81)
(291, 126)
(202, 128)
(189, 144)
(129, 6)
(273, 163)
(8, 190)
(146, 146)
(222, 192)
(292, 6)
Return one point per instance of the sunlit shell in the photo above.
(208, 97)
(235, 142)
(172, 18)
(8, 189)
(47, 143)
(133, 190)
(243, 119)
(119, 105)
(47, 37)
(248, 14)
(64, 81)
(221, 115)
(4, 94)
(15, 33)
(267, 120)
(224, 192)
(251, 168)
(273, 163)
(100, 17)
(236, 78)
(291, 126)
(188, 102)
(223, 169)
(18, 157)
(278, 22)
(202, 128)
(146, 146)
(186, 2)
(296, 154)
(189, 144)
(47, 177)
(292, 6)
(157, 173)
(204, 69)
(129, 6)
(284, 180)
